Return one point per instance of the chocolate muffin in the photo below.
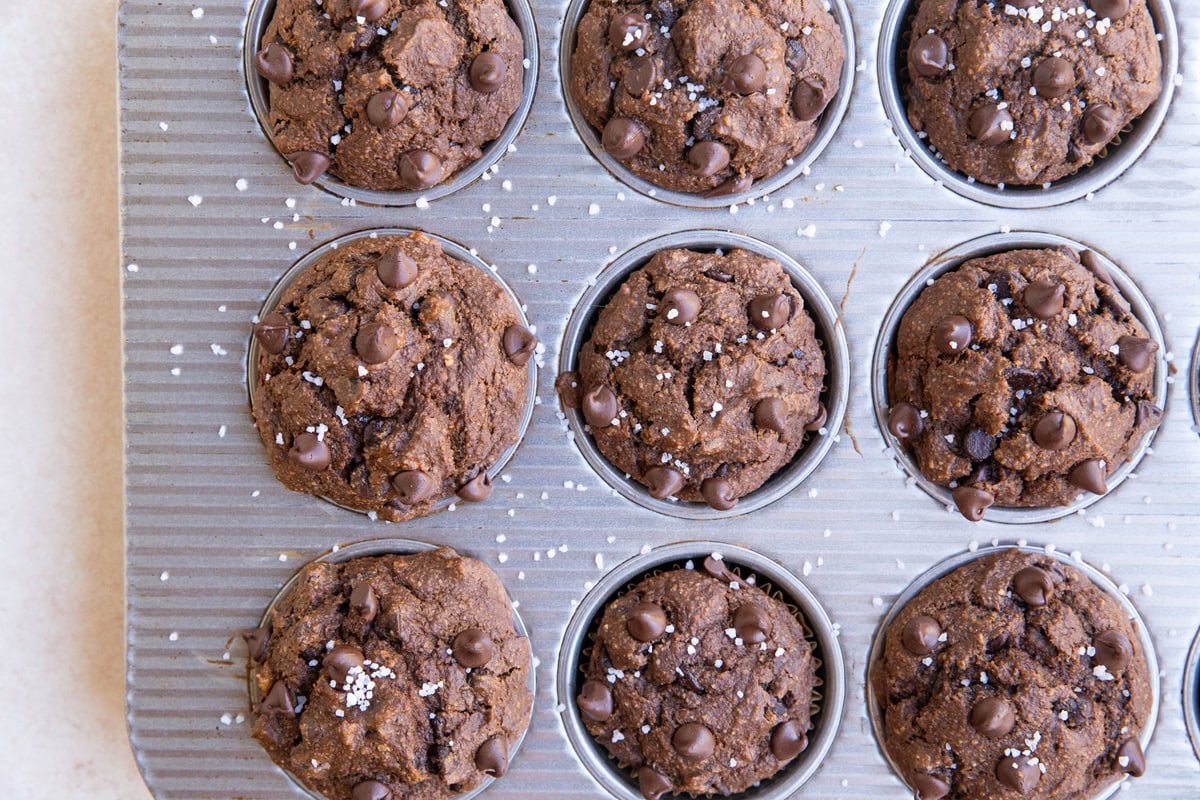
(694, 106)
(390, 377)
(699, 683)
(390, 95)
(1013, 676)
(702, 376)
(1021, 379)
(392, 677)
(1029, 91)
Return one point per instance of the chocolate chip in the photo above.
(930, 55)
(904, 421)
(816, 423)
(707, 158)
(993, 717)
(1147, 414)
(622, 138)
(1137, 353)
(1094, 265)
(1112, 9)
(1113, 651)
(420, 169)
(387, 109)
(370, 10)
(718, 493)
(679, 306)
(646, 622)
(719, 570)
(952, 335)
(339, 661)
(735, 185)
(1044, 298)
(595, 701)
(808, 99)
(990, 125)
(275, 64)
(788, 740)
(487, 73)
(770, 414)
(770, 312)
(600, 407)
(1130, 758)
(693, 741)
(751, 624)
(256, 642)
(395, 269)
(473, 648)
(746, 74)
(628, 32)
(1053, 78)
(519, 344)
(1099, 124)
(1090, 476)
(279, 700)
(364, 604)
(1033, 585)
(1018, 774)
(652, 783)
(307, 166)
(477, 489)
(927, 787)
(310, 452)
(376, 342)
(272, 333)
(492, 757)
(370, 790)
(641, 76)
(979, 444)
(972, 502)
(662, 482)
(920, 636)
(1054, 431)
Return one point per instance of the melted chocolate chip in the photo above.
(1110, 9)
(770, 414)
(395, 269)
(788, 740)
(707, 158)
(487, 73)
(816, 423)
(1054, 431)
(310, 452)
(652, 783)
(751, 624)
(904, 421)
(595, 701)
(370, 790)
(622, 138)
(920, 636)
(972, 502)
(990, 125)
(928, 787)
(413, 487)
(273, 332)
(1053, 78)
(308, 166)
(1044, 298)
(663, 482)
(1114, 651)
(993, 717)
(735, 185)
(492, 757)
(1136, 352)
(1130, 758)
(628, 32)
(1099, 124)
(641, 76)
(339, 661)
(278, 700)
(477, 489)
(808, 99)
(952, 335)
(1019, 774)
(256, 642)
(1033, 585)
(646, 622)
(979, 444)
(693, 741)
(364, 605)
(770, 312)
(376, 342)
(600, 407)
(746, 74)
(473, 648)
(718, 493)
(420, 169)
(1090, 476)
(930, 55)
(679, 306)
(387, 109)
(519, 344)
(369, 10)
(275, 64)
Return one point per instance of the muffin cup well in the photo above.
(259, 16)
(1191, 695)
(947, 566)
(453, 250)
(831, 676)
(831, 118)
(1194, 384)
(952, 259)
(364, 549)
(829, 333)
(892, 65)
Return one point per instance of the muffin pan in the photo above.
(212, 220)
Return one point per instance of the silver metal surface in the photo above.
(1133, 140)
(830, 119)
(207, 524)
(1096, 576)
(950, 260)
(259, 16)
(1191, 694)
(829, 335)
(619, 783)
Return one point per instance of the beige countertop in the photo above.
(61, 600)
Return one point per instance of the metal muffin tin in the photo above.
(787, 782)
(892, 64)
(1097, 577)
(211, 536)
(828, 331)
(367, 549)
(951, 260)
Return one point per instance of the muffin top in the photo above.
(1013, 676)
(699, 682)
(390, 377)
(702, 376)
(390, 95)
(1021, 379)
(392, 677)
(694, 106)
(1029, 91)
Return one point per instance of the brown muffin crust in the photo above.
(426, 704)
(1013, 658)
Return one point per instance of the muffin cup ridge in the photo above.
(1191, 694)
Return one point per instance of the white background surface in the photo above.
(61, 602)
